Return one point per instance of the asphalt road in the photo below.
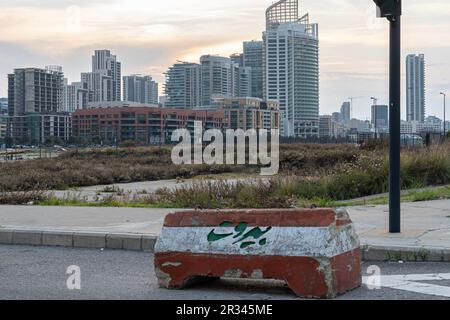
(31, 273)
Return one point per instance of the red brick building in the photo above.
(145, 125)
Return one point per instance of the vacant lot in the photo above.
(311, 174)
(109, 166)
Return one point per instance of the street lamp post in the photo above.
(392, 10)
(445, 98)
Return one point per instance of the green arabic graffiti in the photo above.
(246, 239)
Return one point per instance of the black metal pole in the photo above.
(395, 115)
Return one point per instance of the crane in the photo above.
(351, 104)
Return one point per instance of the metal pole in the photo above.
(395, 115)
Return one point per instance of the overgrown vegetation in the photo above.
(20, 198)
(111, 166)
(311, 175)
(366, 175)
(155, 201)
(100, 167)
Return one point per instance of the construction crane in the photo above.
(351, 105)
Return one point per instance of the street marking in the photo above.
(409, 283)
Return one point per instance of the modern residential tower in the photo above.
(182, 87)
(291, 64)
(142, 89)
(104, 82)
(253, 58)
(415, 87)
(75, 96)
(218, 78)
(346, 112)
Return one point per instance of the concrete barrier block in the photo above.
(58, 239)
(317, 252)
(32, 238)
(89, 240)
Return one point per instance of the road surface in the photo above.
(41, 273)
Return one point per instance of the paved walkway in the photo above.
(136, 188)
(425, 224)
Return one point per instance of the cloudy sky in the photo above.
(149, 35)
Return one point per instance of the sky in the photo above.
(148, 36)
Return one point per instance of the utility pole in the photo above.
(392, 10)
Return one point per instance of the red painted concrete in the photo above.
(257, 218)
(347, 271)
(307, 276)
(304, 275)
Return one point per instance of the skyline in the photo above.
(149, 36)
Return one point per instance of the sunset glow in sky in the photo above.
(148, 36)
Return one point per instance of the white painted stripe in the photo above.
(423, 277)
(409, 283)
(282, 241)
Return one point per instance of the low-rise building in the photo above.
(249, 113)
(36, 128)
(118, 104)
(143, 125)
(325, 126)
(416, 127)
(331, 129)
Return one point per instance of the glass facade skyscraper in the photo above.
(253, 58)
(291, 68)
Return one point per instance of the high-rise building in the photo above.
(253, 58)
(142, 89)
(104, 82)
(75, 96)
(415, 87)
(243, 82)
(33, 90)
(336, 116)
(35, 101)
(291, 64)
(346, 112)
(380, 116)
(238, 58)
(182, 88)
(218, 78)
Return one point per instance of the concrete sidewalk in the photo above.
(425, 237)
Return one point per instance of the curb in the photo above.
(405, 254)
(146, 243)
(88, 240)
